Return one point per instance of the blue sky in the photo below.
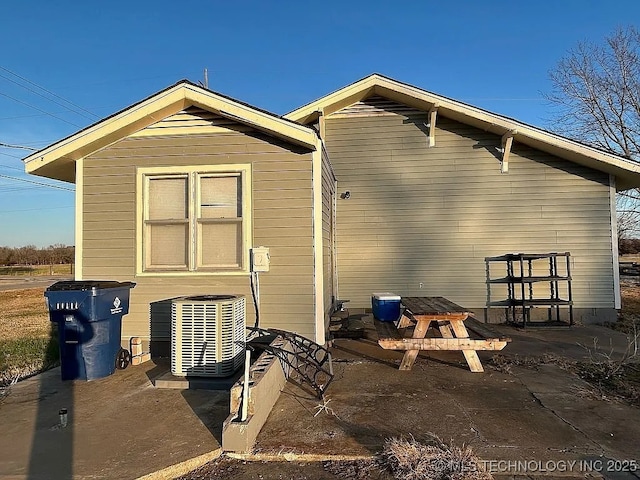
(105, 56)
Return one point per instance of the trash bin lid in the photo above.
(82, 285)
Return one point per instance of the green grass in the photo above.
(23, 357)
(36, 270)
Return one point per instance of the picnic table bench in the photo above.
(450, 320)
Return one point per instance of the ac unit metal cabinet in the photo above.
(207, 335)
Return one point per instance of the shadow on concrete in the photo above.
(207, 397)
(162, 366)
(51, 438)
(211, 407)
(360, 353)
(371, 351)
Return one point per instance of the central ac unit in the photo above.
(207, 335)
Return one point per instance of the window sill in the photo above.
(183, 273)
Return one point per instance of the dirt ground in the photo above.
(227, 468)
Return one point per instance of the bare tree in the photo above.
(31, 255)
(596, 89)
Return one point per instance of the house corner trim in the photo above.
(79, 218)
(318, 280)
(614, 244)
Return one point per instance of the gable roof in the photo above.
(627, 172)
(58, 160)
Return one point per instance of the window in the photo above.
(195, 219)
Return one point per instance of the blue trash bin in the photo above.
(89, 319)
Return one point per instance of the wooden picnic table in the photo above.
(449, 319)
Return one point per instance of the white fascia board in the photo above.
(285, 129)
(491, 122)
(101, 134)
(156, 108)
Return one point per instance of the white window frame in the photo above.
(193, 267)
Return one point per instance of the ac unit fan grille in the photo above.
(207, 337)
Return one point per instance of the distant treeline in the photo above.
(32, 255)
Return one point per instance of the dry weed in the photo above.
(324, 407)
(409, 459)
(24, 314)
(351, 470)
(504, 364)
(611, 375)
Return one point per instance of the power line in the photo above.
(10, 188)
(37, 183)
(40, 110)
(40, 142)
(101, 107)
(36, 209)
(9, 155)
(8, 145)
(47, 91)
(2, 165)
(45, 97)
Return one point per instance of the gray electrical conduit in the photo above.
(255, 293)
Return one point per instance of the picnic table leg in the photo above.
(470, 355)
(410, 355)
(445, 330)
(404, 322)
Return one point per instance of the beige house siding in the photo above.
(421, 220)
(281, 216)
(328, 191)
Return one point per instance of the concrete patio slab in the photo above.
(531, 415)
(123, 427)
(118, 427)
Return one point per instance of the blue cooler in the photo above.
(386, 306)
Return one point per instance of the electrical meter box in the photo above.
(260, 259)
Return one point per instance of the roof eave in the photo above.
(627, 172)
(57, 160)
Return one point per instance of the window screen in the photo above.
(194, 221)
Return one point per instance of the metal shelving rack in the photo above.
(522, 273)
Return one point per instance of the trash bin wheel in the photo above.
(123, 359)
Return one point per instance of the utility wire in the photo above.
(36, 209)
(12, 156)
(9, 188)
(17, 117)
(2, 165)
(40, 110)
(8, 145)
(35, 92)
(37, 183)
(47, 91)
